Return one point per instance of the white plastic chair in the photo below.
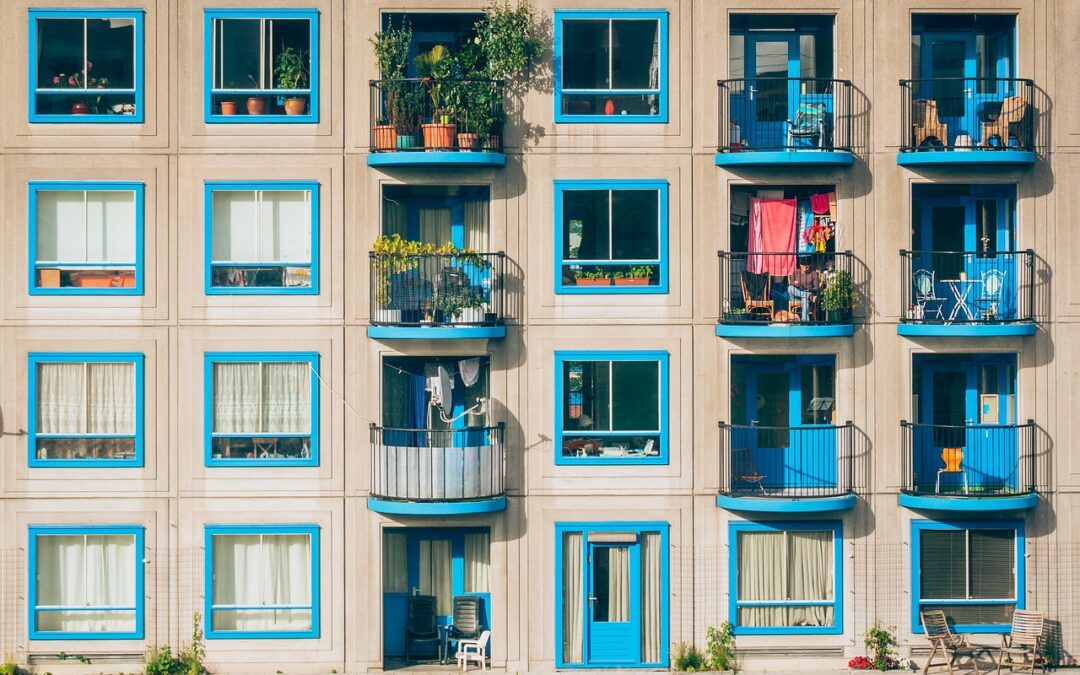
(473, 650)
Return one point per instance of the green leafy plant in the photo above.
(64, 656)
(641, 271)
(598, 273)
(880, 643)
(686, 658)
(394, 255)
(392, 50)
(839, 293)
(291, 69)
(11, 668)
(509, 38)
(161, 660)
(435, 67)
(720, 647)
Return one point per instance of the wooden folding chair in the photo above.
(925, 123)
(745, 471)
(1013, 109)
(1022, 647)
(761, 304)
(942, 639)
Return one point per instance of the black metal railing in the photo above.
(956, 113)
(973, 460)
(785, 113)
(436, 465)
(420, 114)
(773, 288)
(811, 461)
(967, 287)
(438, 289)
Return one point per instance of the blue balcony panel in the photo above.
(435, 332)
(436, 158)
(966, 158)
(783, 330)
(809, 157)
(786, 504)
(406, 508)
(966, 329)
(953, 502)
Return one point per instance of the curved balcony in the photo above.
(957, 120)
(967, 293)
(784, 121)
(756, 298)
(437, 296)
(969, 468)
(436, 471)
(786, 469)
(407, 129)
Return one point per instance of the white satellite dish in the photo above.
(441, 391)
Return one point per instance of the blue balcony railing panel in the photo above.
(435, 289)
(967, 287)
(809, 461)
(430, 465)
(971, 460)
(755, 288)
(778, 114)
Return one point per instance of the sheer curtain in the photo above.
(261, 226)
(435, 573)
(477, 217)
(86, 398)
(257, 398)
(435, 226)
(78, 571)
(651, 619)
(810, 574)
(395, 219)
(395, 563)
(477, 562)
(286, 392)
(76, 226)
(252, 571)
(573, 615)
(236, 398)
(761, 575)
(618, 583)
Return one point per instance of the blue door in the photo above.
(770, 59)
(614, 603)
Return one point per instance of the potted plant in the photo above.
(509, 37)
(291, 71)
(227, 107)
(434, 68)
(597, 277)
(385, 134)
(637, 276)
(736, 315)
(405, 114)
(82, 81)
(838, 297)
(395, 127)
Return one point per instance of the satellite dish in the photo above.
(439, 396)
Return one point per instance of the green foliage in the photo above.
(598, 273)
(687, 658)
(720, 648)
(839, 292)
(435, 67)
(394, 255)
(64, 656)
(161, 661)
(641, 271)
(509, 38)
(10, 668)
(392, 50)
(291, 69)
(879, 643)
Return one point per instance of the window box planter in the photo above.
(639, 281)
(405, 141)
(103, 279)
(602, 281)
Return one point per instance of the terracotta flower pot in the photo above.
(256, 105)
(80, 108)
(385, 137)
(602, 281)
(295, 106)
(228, 107)
(640, 281)
(468, 142)
(439, 136)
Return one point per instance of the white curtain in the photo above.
(810, 573)
(618, 583)
(79, 571)
(261, 226)
(435, 226)
(651, 619)
(91, 226)
(573, 615)
(761, 576)
(257, 398)
(477, 216)
(435, 574)
(86, 398)
(253, 571)
(777, 566)
(395, 219)
(395, 563)
(477, 562)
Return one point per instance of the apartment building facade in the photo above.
(753, 312)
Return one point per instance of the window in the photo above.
(974, 572)
(86, 66)
(262, 581)
(85, 409)
(611, 236)
(786, 578)
(262, 409)
(611, 594)
(86, 583)
(262, 238)
(611, 66)
(262, 65)
(86, 238)
(611, 407)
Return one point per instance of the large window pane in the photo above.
(635, 395)
(262, 582)
(635, 217)
(238, 47)
(615, 233)
(785, 566)
(992, 564)
(261, 238)
(85, 238)
(262, 410)
(943, 570)
(86, 583)
(110, 51)
(602, 399)
(635, 58)
(585, 54)
(85, 410)
(586, 217)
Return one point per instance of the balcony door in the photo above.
(770, 60)
(614, 606)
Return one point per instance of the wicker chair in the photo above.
(1013, 109)
(925, 122)
(761, 303)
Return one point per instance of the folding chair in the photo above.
(1023, 641)
(745, 471)
(925, 293)
(762, 302)
(941, 637)
(925, 124)
(1013, 109)
(809, 123)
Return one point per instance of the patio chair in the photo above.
(953, 458)
(809, 123)
(420, 625)
(942, 639)
(1013, 109)
(760, 302)
(925, 124)
(1024, 641)
(993, 283)
(926, 294)
(465, 621)
(473, 650)
(745, 471)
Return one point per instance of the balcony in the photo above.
(956, 120)
(437, 471)
(778, 121)
(988, 468)
(967, 293)
(432, 296)
(757, 298)
(408, 129)
(786, 469)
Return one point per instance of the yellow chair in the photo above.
(953, 458)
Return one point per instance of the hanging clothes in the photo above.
(772, 230)
(820, 203)
(805, 220)
(469, 369)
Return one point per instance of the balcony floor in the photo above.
(407, 508)
(912, 329)
(785, 504)
(783, 330)
(436, 158)
(970, 503)
(807, 157)
(965, 157)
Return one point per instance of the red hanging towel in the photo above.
(772, 230)
(820, 203)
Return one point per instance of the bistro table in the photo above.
(961, 290)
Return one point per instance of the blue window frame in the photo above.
(261, 581)
(242, 52)
(86, 66)
(262, 238)
(107, 604)
(594, 627)
(611, 236)
(85, 238)
(971, 570)
(765, 601)
(262, 408)
(611, 407)
(611, 66)
(85, 409)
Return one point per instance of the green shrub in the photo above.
(687, 658)
(720, 647)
